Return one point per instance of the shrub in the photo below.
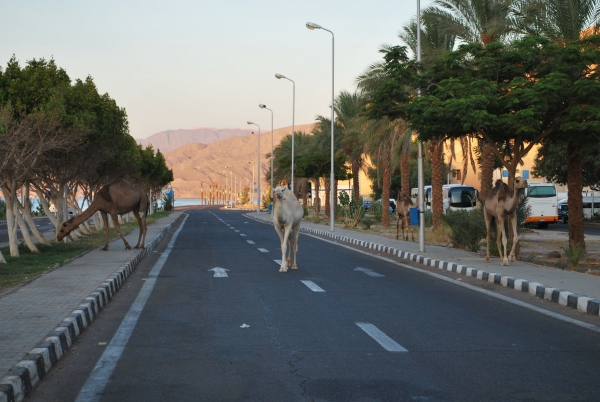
(467, 228)
(167, 203)
(575, 253)
(352, 211)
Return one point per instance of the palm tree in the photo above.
(347, 109)
(483, 21)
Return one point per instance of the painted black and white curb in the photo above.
(582, 303)
(24, 376)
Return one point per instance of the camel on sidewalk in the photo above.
(502, 203)
(117, 198)
(287, 214)
(403, 204)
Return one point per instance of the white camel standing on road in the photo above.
(287, 214)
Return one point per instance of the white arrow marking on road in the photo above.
(313, 286)
(263, 250)
(250, 241)
(385, 341)
(219, 272)
(369, 272)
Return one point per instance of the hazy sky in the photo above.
(184, 64)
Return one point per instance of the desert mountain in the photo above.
(199, 164)
(169, 140)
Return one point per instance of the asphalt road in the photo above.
(380, 333)
(43, 224)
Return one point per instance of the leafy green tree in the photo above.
(515, 96)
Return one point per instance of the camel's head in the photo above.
(520, 183)
(279, 192)
(64, 231)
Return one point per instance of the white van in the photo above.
(458, 196)
(542, 202)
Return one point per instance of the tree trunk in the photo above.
(574, 184)
(45, 206)
(355, 181)
(24, 232)
(304, 200)
(11, 222)
(31, 223)
(436, 181)
(487, 168)
(385, 189)
(405, 173)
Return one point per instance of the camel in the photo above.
(403, 204)
(116, 198)
(287, 214)
(501, 203)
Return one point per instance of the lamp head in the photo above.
(312, 25)
(250, 122)
(279, 76)
(260, 105)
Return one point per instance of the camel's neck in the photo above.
(79, 219)
(512, 203)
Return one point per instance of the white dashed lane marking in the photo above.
(278, 262)
(250, 241)
(263, 250)
(313, 286)
(385, 341)
(369, 272)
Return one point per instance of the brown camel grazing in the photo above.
(116, 198)
(502, 203)
(403, 204)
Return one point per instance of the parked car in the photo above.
(563, 212)
(367, 205)
(392, 204)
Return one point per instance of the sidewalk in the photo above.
(572, 289)
(70, 297)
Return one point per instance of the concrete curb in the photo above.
(24, 376)
(582, 303)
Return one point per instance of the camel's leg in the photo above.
(115, 218)
(398, 226)
(106, 228)
(280, 234)
(290, 248)
(501, 232)
(512, 225)
(286, 236)
(141, 220)
(487, 219)
(296, 235)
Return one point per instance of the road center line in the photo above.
(263, 250)
(385, 341)
(369, 272)
(94, 386)
(250, 241)
(278, 262)
(313, 286)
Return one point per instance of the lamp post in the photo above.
(279, 76)
(420, 174)
(225, 196)
(265, 107)
(257, 170)
(312, 26)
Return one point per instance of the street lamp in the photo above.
(257, 171)
(279, 76)
(420, 174)
(225, 197)
(265, 107)
(313, 26)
